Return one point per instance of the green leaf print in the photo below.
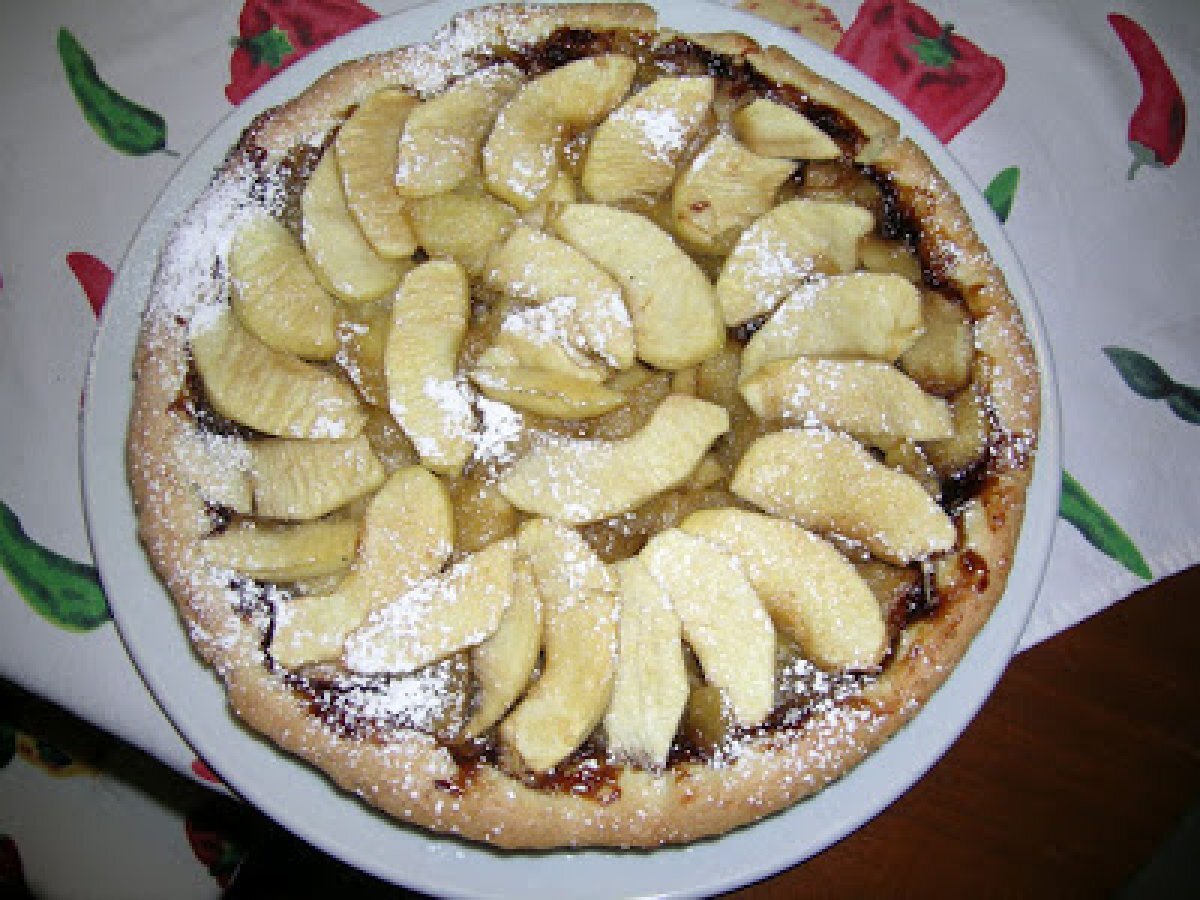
(62, 590)
(1002, 191)
(1148, 379)
(937, 52)
(1098, 527)
(268, 48)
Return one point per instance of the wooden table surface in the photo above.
(1076, 771)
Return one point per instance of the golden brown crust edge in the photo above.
(425, 67)
(770, 773)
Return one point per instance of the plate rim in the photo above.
(418, 859)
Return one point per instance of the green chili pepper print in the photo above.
(123, 124)
(1002, 191)
(62, 590)
(1146, 378)
(1143, 375)
(1185, 403)
(1098, 527)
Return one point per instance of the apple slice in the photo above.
(940, 361)
(890, 256)
(579, 596)
(439, 616)
(311, 629)
(546, 393)
(314, 549)
(723, 619)
(407, 535)
(268, 390)
(861, 396)
(859, 315)
(305, 479)
(217, 466)
(362, 338)
(535, 337)
(366, 146)
(782, 248)
(439, 148)
(676, 322)
(707, 473)
(504, 663)
(812, 593)
(425, 395)
(827, 482)
(723, 190)
(651, 687)
(967, 446)
(341, 256)
(587, 480)
(539, 268)
(633, 153)
(772, 129)
(275, 293)
(564, 190)
(462, 226)
(908, 457)
(521, 155)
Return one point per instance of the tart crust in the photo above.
(414, 777)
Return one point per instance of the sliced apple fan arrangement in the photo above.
(504, 377)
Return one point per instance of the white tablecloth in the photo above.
(1114, 261)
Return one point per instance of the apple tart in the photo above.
(570, 431)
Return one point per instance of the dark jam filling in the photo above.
(563, 46)
(358, 706)
(896, 222)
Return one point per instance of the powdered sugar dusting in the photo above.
(191, 282)
(664, 131)
(383, 705)
(453, 397)
(451, 53)
(448, 399)
(500, 429)
(543, 324)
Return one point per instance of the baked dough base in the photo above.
(764, 773)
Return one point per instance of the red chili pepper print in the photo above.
(201, 770)
(93, 276)
(273, 34)
(945, 79)
(1158, 124)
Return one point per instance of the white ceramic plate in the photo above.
(304, 801)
